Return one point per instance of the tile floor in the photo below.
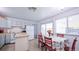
(33, 46)
(8, 47)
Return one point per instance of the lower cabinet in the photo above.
(5, 38)
(2, 40)
(8, 38)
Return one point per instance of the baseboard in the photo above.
(2, 46)
(6, 44)
(9, 43)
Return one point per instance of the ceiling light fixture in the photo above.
(60, 8)
(32, 8)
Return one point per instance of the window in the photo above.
(73, 24)
(46, 27)
(43, 29)
(49, 27)
(68, 26)
(61, 25)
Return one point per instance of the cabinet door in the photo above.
(8, 38)
(2, 40)
(3, 23)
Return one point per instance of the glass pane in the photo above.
(73, 22)
(43, 29)
(61, 25)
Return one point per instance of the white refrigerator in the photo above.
(30, 31)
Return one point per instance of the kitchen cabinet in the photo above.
(5, 38)
(2, 39)
(8, 38)
(3, 23)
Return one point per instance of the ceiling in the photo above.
(27, 14)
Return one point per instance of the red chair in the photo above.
(40, 41)
(66, 48)
(60, 35)
(1, 30)
(74, 44)
(48, 44)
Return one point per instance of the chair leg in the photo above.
(45, 48)
(54, 49)
(42, 45)
(38, 44)
(41, 48)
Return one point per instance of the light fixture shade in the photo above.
(2, 17)
(32, 8)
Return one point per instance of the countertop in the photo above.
(18, 35)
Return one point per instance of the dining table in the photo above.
(57, 42)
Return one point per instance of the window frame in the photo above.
(45, 26)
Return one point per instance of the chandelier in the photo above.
(32, 8)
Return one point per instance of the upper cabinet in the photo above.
(3, 22)
(14, 22)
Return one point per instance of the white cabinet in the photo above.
(3, 23)
(8, 38)
(30, 31)
(2, 40)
